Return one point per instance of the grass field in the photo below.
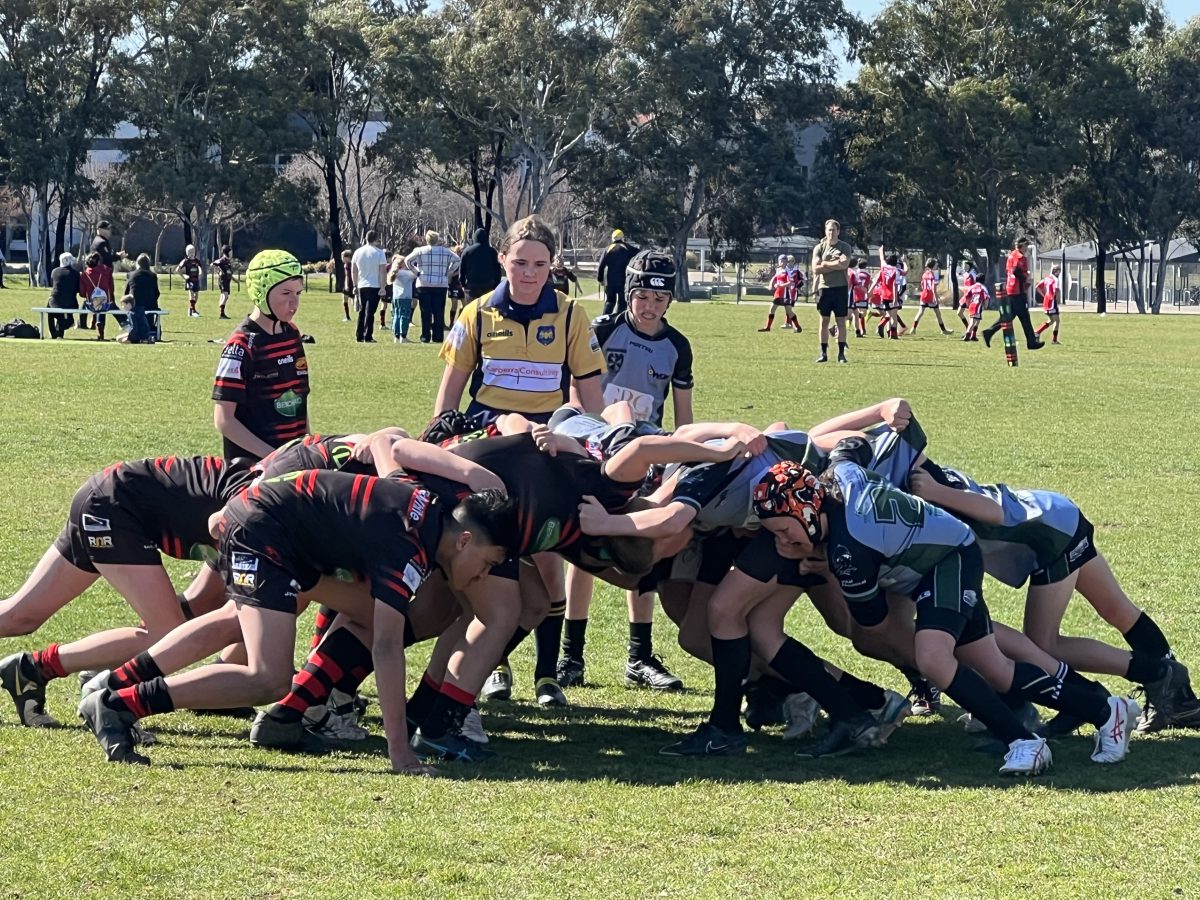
(578, 804)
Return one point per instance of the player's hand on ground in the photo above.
(896, 413)
(410, 764)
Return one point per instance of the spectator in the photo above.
(455, 292)
(369, 268)
(347, 286)
(562, 277)
(96, 289)
(64, 294)
(434, 264)
(101, 244)
(2, 267)
(401, 279)
(141, 286)
(611, 272)
(480, 270)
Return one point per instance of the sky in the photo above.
(1178, 11)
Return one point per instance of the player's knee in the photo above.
(693, 645)
(268, 685)
(16, 624)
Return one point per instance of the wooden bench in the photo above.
(152, 315)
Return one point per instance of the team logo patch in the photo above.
(615, 359)
(657, 376)
(594, 343)
(244, 579)
(243, 562)
(843, 562)
(545, 335)
(658, 282)
(104, 542)
(1079, 550)
(288, 404)
(302, 364)
(969, 598)
(457, 335)
(412, 577)
(418, 506)
(548, 535)
(924, 595)
(95, 523)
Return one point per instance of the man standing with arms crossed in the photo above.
(830, 260)
(368, 268)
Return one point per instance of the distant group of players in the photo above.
(882, 296)
(461, 536)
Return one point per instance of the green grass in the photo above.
(578, 803)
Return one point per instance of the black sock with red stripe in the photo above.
(447, 712)
(339, 653)
(48, 664)
(420, 704)
(321, 625)
(143, 699)
(140, 669)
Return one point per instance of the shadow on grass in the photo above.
(593, 744)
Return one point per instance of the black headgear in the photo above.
(650, 270)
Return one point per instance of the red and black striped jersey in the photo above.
(174, 496)
(384, 531)
(314, 451)
(266, 375)
(546, 490)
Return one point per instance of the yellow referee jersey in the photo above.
(522, 359)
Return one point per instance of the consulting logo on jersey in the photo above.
(545, 335)
(95, 523)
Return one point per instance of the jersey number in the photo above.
(890, 507)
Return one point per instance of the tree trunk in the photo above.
(953, 282)
(1164, 247)
(37, 237)
(1139, 294)
(60, 227)
(1099, 290)
(187, 230)
(334, 224)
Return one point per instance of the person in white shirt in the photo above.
(368, 268)
(401, 279)
(434, 264)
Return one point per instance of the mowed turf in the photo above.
(578, 803)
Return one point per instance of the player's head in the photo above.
(274, 282)
(346, 255)
(104, 229)
(791, 260)
(525, 253)
(788, 500)
(832, 229)
(782, 260)
(1022, 244)
(650, 285)
(931, 264)
(66, 260)
(1055, 269)
(190, 251)
(143, 262)
(618, 234)
(477, 535)
(227, 250)
(893, 259)
(372, 237)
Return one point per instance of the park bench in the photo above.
(153, 315)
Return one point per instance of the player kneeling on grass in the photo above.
(394, 532)
(120, 520)
(879, 538)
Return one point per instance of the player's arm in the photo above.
(682, 400)
(227, 424)
(752, 437)
(591, 397)
(630, 463)
(818, 263)
(387, 652)
(896, 413)
(362, 442)
(966, 504)
(664, 521)
(391, 453)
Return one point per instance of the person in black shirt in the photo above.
(479, 270)
(64, 294)
(562, 277)
(224, 266)
(141, 287)
(261, 386)
(277, 539)
(121, 521)
(192, 271)
(611, 272)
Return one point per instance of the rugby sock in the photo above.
(1041, 328)
(841, 349)
(1032, 684)
(143, 699)
(140, 669)
(420, 704)
(731, 665)
(1145, 636)
(447, 712)
(972, 693)
(192, 304)
(641, 643)
(547, 637)
(327, 666)
(775, 687)
(1144, 667)
(824, 349)
(514, 642)
(321, 624)
(865, 694)
(1054, 334)
(48, 664)
(804, 669)
(574, 638)
(770, 321)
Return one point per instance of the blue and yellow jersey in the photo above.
(522, 359)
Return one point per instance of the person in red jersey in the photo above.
(974, 300)
(929, 300)
(122, 519)
(783, 290)
(261, 387)
(1048, 289)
